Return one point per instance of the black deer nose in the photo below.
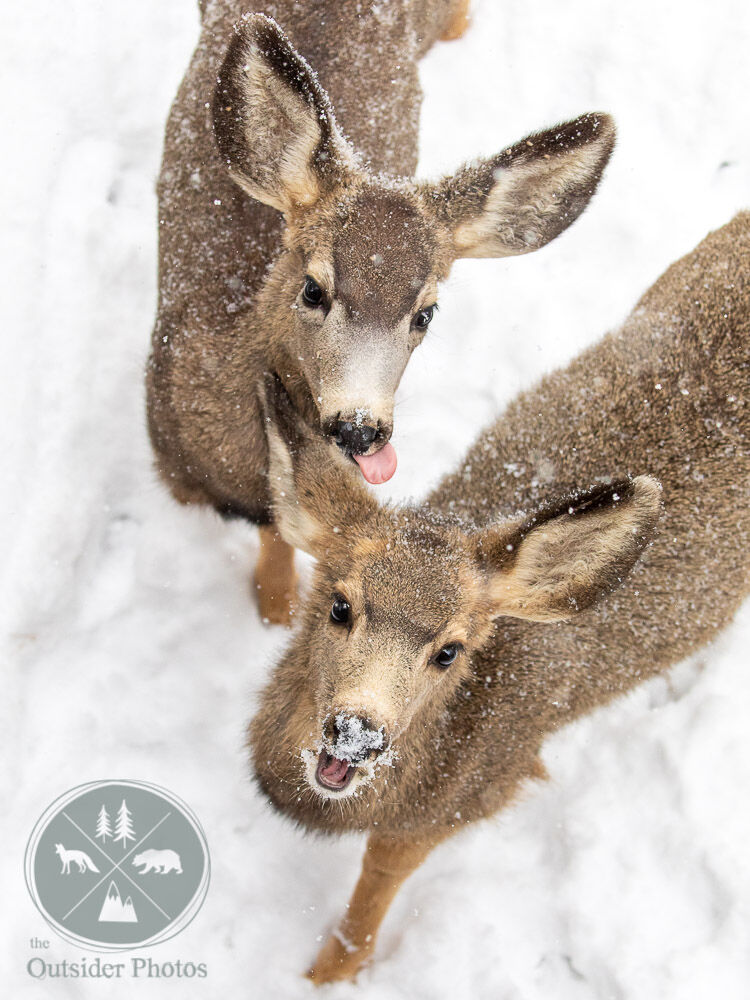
(354, 439)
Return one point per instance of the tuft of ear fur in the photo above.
(316, 492)
(527, 195)
(570, 552)
(273, 122)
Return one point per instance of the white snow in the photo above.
(130, 646)
(353, 738)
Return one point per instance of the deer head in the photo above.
(355, 287)
(402, 599)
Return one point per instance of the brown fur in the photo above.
(459, 23)
(664, 397)
(286, 188)
(275, 578)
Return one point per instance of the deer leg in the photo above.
(275, 579)
(387, 863)
(458, 23)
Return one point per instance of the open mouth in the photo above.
(333, 774)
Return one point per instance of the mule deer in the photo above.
(285, 250)
(442, 642)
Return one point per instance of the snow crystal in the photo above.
(354, 739)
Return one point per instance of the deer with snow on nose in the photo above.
(287, 247)
(441, 643)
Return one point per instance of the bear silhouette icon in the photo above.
(160, 862)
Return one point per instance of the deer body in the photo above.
(216, 243)
(666, 395)
(264, 195)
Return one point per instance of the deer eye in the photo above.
(312, 293)
(340, 611)
(424, 317)
(447, 655)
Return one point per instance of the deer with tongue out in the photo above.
(286, 247)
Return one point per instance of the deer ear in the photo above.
(273, 122)
(570, 553)
(316, 493)
(527, 195)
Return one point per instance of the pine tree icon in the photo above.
(124, 827)
(103, 828)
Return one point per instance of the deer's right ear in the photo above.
(273, 122)
(316, 493)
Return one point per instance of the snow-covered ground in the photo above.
(130, 646)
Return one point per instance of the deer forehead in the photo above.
(383, 254)
(415, 582)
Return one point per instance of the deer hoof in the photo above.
(337, 962)
(459, 22)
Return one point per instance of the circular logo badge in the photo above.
(115, 865)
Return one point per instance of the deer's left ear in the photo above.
(567, 555)
(527, 195)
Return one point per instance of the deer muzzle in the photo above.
(350, 741)
(366, 442)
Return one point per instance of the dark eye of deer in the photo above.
(312, 293)
(424, 317)
(340, 611)
(447, 655)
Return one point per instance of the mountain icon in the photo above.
(114, 910)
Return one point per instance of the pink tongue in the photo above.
(378, 468)
(335, 770)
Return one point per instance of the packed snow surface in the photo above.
(131, 647)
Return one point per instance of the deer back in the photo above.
(667, 395)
